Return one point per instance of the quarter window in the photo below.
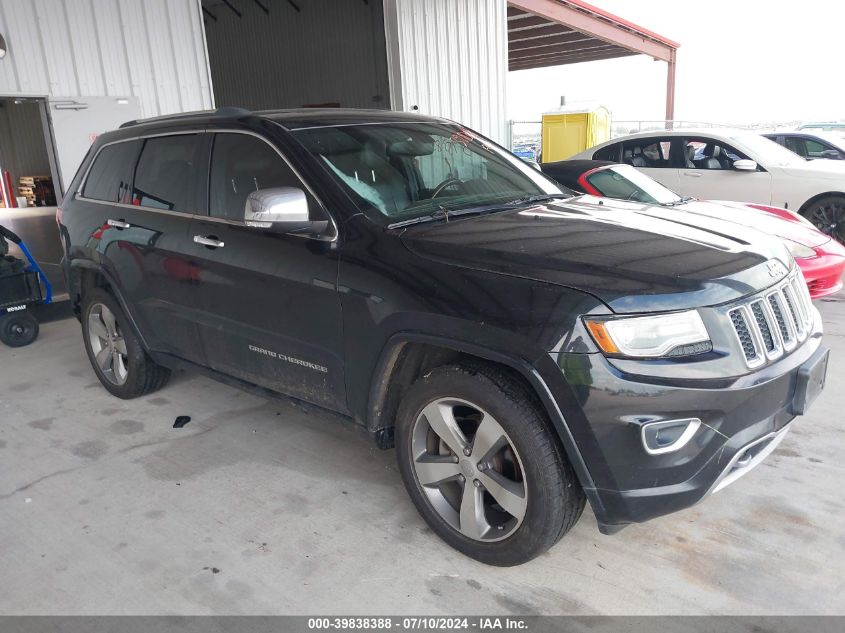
(611, 152)
(241, 164)
(166, 175)
(111, 173)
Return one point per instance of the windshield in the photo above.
(623, 182)
(412, 170)
(768, 152)
(834, 138)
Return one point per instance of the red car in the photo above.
(821, 258)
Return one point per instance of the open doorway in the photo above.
(30, 181)
(272, 54)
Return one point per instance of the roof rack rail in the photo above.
(219, 112)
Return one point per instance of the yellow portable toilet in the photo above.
(572, 129)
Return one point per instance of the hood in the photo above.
(636, 258)
(769, 222)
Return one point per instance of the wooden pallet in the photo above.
(30, 181)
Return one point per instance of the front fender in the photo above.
(541, 373)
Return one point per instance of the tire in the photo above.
(528, 471)
(18, 329)
(828, 215)
(107, 333)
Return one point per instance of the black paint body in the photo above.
(323, 319)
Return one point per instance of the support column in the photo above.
(670, 89)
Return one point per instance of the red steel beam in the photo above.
(604, 26)
(550, 51)
(571, 58)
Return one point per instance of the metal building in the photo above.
(88, 65)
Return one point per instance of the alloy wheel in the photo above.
(107, 344)
(469, 469)
(829, 218)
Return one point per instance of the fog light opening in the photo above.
(668, 436)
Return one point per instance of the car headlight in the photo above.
(660, 335)
(798, 251)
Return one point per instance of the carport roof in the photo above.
(555, 32)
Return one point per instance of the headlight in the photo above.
(661, 335)
(799, 251)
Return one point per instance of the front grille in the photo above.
(773, 323)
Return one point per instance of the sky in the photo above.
(740, 61)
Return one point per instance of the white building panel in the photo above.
(150, 49)
(449, 58)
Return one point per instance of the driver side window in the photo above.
(708, 153)
(241, 164)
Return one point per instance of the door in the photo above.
(270, 311)
(143, 192)
(709, 173)
(76, 121)
(652, 156)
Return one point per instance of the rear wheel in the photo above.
(480, 463)
(828, 215)
(18, 329)
(116, 354)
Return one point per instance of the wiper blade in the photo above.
(679, 201)
(440, 214)
(445, 214)
(538, 198)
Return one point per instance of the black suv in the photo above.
(523, 348)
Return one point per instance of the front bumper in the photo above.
(823, 274)
(742, 421)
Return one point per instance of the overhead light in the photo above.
(2, 47)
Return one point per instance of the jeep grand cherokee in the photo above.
(523, 348)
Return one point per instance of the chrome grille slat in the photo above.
(793, 311)
(764, 325)
(773, 323)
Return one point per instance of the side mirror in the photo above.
(281, 209)
(832, 154)
(744, 164)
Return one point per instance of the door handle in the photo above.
(118, 224)
(692, 174)
(209, 240)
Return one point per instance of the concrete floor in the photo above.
(270, 507)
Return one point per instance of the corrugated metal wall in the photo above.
(152, 49)
(331, 51)
(452, 60)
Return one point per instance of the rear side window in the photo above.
(649, 152)
(241, 164)
(111, 173)
(611, 152)
(166, 175)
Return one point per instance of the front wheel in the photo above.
(18, 329)
(482, 466)
(828, 216)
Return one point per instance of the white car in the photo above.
(723, 164)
